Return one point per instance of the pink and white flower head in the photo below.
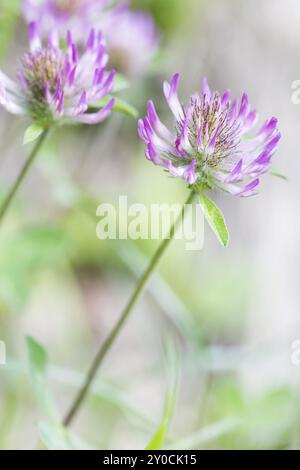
(77, 16)
(132, 40)
(59, 85)
(213, 143)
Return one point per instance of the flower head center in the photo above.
(42, 68)
(68, 6)
(211, 130)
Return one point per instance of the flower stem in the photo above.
(9, 198)
(105, 347)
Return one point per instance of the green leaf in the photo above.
(37, 357)
(215, 218)
(123, 107)
(38, 365)
(120, 83)
(32, 133)
(172, 371)
(277, 173)
(120, 106)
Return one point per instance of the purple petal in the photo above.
(53, 39)
(21, 78)
(268, 128)
(157, 125)
(199, 137)
(141, 131)
(148, 128)
(100, 56)
(244, 105)
(58, 90)
(91, 40)
(205, 89)
(74, 54)
(190, 173)
(273, 143)
(96, 118)
(98, 77)
(35, 40)
(170, 91)
(82, 104)
(151, 153)
(233, 110)
(236, 173)
(263, 158)
(212, 142)
(61, 103)
(108, 84)
(69, 39)
(249, 189)
(225, 98)
(175, 170)
(72, 75)
(9, 104)
(250, 120)
(184, 138)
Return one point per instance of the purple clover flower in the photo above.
(135, 43)
(132, 37)
(213, 143)
(77, 16)
(56, 85)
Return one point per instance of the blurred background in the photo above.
(231, 315)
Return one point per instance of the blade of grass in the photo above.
(204, 436)
(38, 365)
(107, 392)
(172, 371)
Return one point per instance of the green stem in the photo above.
(105, 347)
(9, 198)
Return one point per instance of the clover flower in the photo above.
(213, 143)
(132, 38)
(77, 16)
(59, 85)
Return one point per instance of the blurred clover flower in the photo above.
(132, 37)
(213, 143)
(65, 15)
(134, 45)
(56, 85)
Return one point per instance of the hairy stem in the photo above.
(105, 347)
(10, 196)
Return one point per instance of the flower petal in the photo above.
(170, 91)
(35, 40)
(96, 118)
